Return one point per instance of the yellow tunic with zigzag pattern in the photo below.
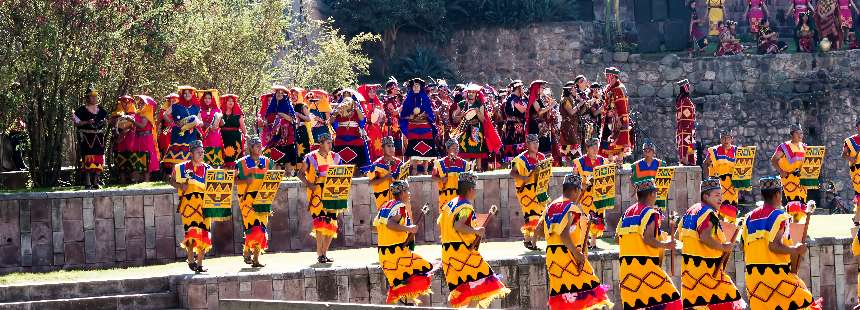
(791, 162)
(449, 169)
(769, 281)
(584, 167)
(382, 170)
(722, 165)
(855, 249)
(852, 146)
(699, 286)
(255, 218)
(407, 273)
(469, 278)
(569, 286)
(190, 207)
(316, 166)
(643, 282)
(527, 193)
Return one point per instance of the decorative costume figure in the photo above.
(787, 159)
(805, 34)
(375, 119)
(851, 154)
(301, 100)
(350, 139)
(767, 255)
(514, 109)
(615, 142)
(685, 132)
(574, 104)
(542, 116)
(729, 44)
(755, 13)
(715, 15)
(212, 119)
(584, 167)
(279, 130)
(90, 121)
(233, 130)
(164, 125)
(315, 167)
(124, 136)
(470, 279)
(189, 179)
(573, 283)
(768, 40)
(797, 7)
(392, 103)
(320, 108)
(416, 119)
(408, 274)
(477, 135)
(720, 162)
(698, 38)
(826, 21)
(184, 117)
(644, 284)
(446, 172)
(146, 160)
(704, 281)
(255, 217)
(523, 169)
(383, 172)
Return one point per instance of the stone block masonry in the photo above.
(117, 228)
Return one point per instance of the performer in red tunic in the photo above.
(374, 118)
(391, 103)
(685, 133)
(615, 142)
(350, 137)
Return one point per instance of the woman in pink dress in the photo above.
(124, 138)
(797, 7)
(846, 16)
(212, 118)
(756, 11)
(147, 159)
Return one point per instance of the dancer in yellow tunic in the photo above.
(408, 274)
(584, 167)
(715, 16)
(316, 165)
(720, 163)
(767, 255)
(189, 179)
(572, 281)
(255, 217)
(788, 159)
(383, 172)
(446, 171)
(644, 285)
(523, 167)
(702, 253)
(851, 154)
(470, 279)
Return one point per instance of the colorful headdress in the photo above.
(468, 178)
(612, 70)
(387, 140)
(710, 184)
(795, 127)
(392, 83)
(515, 83)
(592, 142)
(683, 82)
(773, 183)
(572, 179)
(323, 137)
(417, 80)
(236, 108)
(474, 88)
(596, 85)
(91, 91)
(450, 142)
(171, 96)
(196, 144)
(399, 186)
(648, 145)
(532, 138)
(569, 84)
(644, 186)
(254, 140)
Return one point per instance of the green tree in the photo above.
(388, 18)
(54, 49)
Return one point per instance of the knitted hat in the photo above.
(612, 70)
(387, 140)
(468, 177)
(644, 186)
(710, 184)
(532, 138)
(324, 137)
(195, 145)
(399, 186)
(254, 140)
(572, 179)
(450, 142)
(770, 183)
(795, 127)
(592, 142)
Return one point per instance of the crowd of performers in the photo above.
(832, 21)
(301, 131)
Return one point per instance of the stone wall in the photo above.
(46, 231)
(829, 271)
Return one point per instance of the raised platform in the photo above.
(828, 269)
(118, 228)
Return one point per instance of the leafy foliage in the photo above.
(54, 49)
(423, 62)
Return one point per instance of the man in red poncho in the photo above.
(375, 117)
(615, 140)
(686, 130)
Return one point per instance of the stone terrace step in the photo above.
(163, 300)
(84, 289)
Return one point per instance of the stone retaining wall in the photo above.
(46, 231)
(829, 271)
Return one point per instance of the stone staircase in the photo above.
(148, 293)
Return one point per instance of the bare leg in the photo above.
(320, 244)
(326, 245)
(256, 258)
(189, 252)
